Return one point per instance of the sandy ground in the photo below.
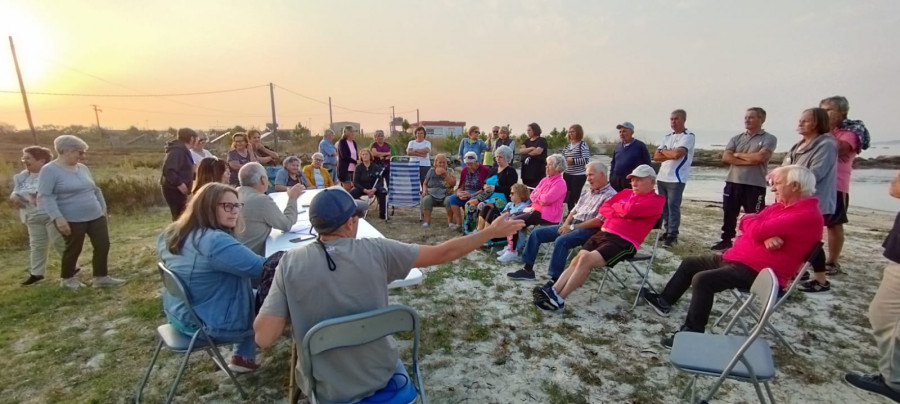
(484, 341)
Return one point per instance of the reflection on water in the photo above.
(868, 188)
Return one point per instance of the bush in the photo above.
(131, 194)
(13, 233)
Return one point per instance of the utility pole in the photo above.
(393, 117)
(330, 115)
(274, 123)
(418, 122)
(12, 48)
(97, 112)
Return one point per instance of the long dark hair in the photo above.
(209, 170)
(200, 214)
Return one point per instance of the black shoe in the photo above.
(873, 383)
(670, 241)
(664, 237)
(721, 246)
(521, 275)
(659, 305)
(833, 268)
(545, 299)
(805, 276)
(32, 279)
(813, 286)
(667, 342)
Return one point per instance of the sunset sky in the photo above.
(597, 63)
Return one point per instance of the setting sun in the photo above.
(34, 47)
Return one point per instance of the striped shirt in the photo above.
(589, 203)
(581, 154)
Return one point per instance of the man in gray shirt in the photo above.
(260, 213)
(340, 275)
(745, 186)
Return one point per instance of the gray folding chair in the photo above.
(740, 295)
(745, 358)
(175, 341)
(648, 258)
(359, 329)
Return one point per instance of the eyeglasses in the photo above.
(496, 132)
(319, 160)
(230, 207)
(477, 132)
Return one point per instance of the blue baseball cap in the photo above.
(625, 125)
(332, 207)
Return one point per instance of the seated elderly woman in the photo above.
(438, 183)
(548, 197)
(367, 181)
(780, 237)
(471, 182)
(506, 177)
(317, 176)
(216, 270)
(289, 175)
(211, 169)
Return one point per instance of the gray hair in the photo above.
(67, 143)
(379, 132)
(329, 132)
(802, 176)
(290, 159)
(318, 156)
(558, 161)
(504, 151)
(250, 173)
(599, 167)
(840, 102)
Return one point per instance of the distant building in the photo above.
(442, 128)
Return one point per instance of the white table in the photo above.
(281, 241)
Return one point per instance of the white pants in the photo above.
(41, 234)
(884, 315)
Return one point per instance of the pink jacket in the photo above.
(548, 198)
(632, 216)
(799, 226)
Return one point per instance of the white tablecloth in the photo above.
(281, 241)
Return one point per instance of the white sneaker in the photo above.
(426, 224)
(453, 226)
(107, 282)
(508, 256)
(71, 283)
(501, 252)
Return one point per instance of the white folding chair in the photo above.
(175, 341)
(740, 294)
(745, 358)
(405, 186)
(359, 329)
(648, 258)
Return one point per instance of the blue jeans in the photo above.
(671, 216)
(454, 200)
(561, 246)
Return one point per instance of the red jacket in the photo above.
(799, 226)
(632, 216)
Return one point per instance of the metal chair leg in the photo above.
(187, 355)
(216, 356)
(137, 398)
(769, 393)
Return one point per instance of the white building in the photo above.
(442, 128)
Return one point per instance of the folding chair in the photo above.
(648, 258)
(740, 294)
(745, 358)
(175, 341)
(359, 329)
(405, 186)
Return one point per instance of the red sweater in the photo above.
(799, 226)
(632, 216)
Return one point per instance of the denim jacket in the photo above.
(215, 270)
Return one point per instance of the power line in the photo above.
(335, 105)
(137, 95)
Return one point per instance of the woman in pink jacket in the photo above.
(548, 198)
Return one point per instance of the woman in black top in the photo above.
(366, 181)
(506, 177)
(534, 156)
(348, 157)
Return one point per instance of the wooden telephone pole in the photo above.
(12, 47)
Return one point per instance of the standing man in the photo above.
(329, 151)
(747, 155)
(628, 154)
(178, 171)
(852, 137)
(884, 316)
(676, 153)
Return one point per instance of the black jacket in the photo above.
(178, 167)
(368, 178)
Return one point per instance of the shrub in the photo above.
(131, 194)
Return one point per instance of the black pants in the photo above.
(706, 276)
(380, 194)
(619, 182)
(98, 231)
(175, 199)
(574, 184)
(532, 219)
(736, 196)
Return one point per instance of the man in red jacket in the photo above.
(628, 218)
(780, 237)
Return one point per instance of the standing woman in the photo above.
(473, 144)
(238, 156)
(817, 151)
(178, 171)
(381, 154)
(67, 192)
(534, 156)
(41, 231)
(419, 150)
(264, 155)
(198, 150)
(577, 154)
(348, 157)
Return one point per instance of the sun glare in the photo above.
(34, 49)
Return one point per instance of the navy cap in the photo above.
(331, 208)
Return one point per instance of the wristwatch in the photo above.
(572, 227)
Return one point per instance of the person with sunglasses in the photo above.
(215, 268)
(198, 152)
(473, 144)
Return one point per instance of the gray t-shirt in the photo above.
(745, 143)
(436, 185)
(72, 195)
(820, 157)
(305, 290)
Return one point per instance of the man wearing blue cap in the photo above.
(340, 275)
(628, 154)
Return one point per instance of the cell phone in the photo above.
(303, 238)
